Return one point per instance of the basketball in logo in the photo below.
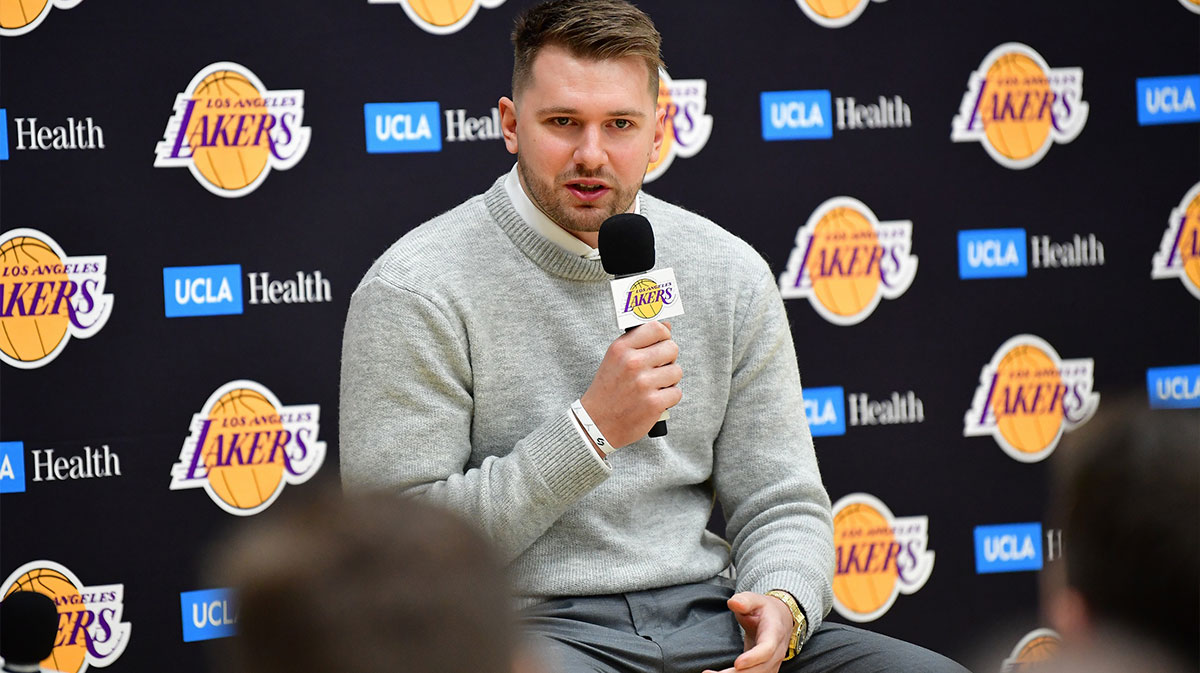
(90, 628)
(18, 17)
(46, 297)
(245, 446)
(1017, 106)
(879, 556)
(441, 17)
(643, 294)
(686, 126)
(1178, 255)
(229, 130)
(833, 13)
(1028, 397)
(68, 657)
(1034, 650)
(846, 261)
(1192, 5)
(242, 486)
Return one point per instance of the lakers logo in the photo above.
(1193, 5)
(846, 260)
(1017, 106)
(245, 446)
(90, 630)
(46, 298)
(834, 13)
(879, 556)
(687, 126)
(1178, 255)
(1033, 651)
(1028, 396)
(646, 298)
(18, 17)
(229, 130)
(441, 17)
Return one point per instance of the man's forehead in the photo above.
(557, 65)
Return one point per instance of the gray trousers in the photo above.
(689, 629)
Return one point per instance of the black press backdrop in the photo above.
(134, 385)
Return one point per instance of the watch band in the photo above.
(799, 621)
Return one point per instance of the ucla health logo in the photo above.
(1169, 388)
(440, 17)
(991, 253)
(229, 130)
(825, 409)
(208, 614)
(834, 13)
(1178, 254)
(1028, 396)
(879, 556)
(1168, 100)
(12, 467)
(687, 125)
(90, 630)
(17, 18)
(846, 260)
(403, 127)
(1016, 106)
(1005, 548)
(796, 115)
(245, 445)
(202, 290)
(47, 297)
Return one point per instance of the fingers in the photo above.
(647, 334)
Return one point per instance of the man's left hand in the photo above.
(768, 626)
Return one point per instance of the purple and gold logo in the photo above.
(834, 13)
(229, 130)
(1016, 106)
(245, 445)
(47, 297)
(18, 17)
(687, 126)
(440, 17)
(846, 260)
(90, 630)
(1178, 255)
(1028, 397)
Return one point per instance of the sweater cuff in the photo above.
(566, 462)
(803, 591)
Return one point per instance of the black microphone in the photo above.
(626, 247)
(28, 627)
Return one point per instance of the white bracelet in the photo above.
(590, 428)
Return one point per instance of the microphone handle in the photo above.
(660, 428)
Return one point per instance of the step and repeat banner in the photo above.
(984, 217)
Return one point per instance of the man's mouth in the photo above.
(587, 190)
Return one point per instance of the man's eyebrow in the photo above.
(561, 110)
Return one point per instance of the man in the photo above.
(478, 346)
(1127, 497)
(366, 583)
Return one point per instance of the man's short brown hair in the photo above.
(592, 29)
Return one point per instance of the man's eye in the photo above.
(561, 121)
(622, 123)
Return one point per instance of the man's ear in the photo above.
(660, 129)
(1068, 612)
(508, 123)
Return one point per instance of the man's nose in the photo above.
(590, 152)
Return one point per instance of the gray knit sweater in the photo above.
(466, 343)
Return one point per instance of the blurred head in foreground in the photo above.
(1127, 496)
(367, 583)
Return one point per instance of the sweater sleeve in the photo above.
(405, 424)
(765, 469)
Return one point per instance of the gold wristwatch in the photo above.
(799, 623)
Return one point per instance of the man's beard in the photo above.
(554, 201)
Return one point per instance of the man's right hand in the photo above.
(636, 382)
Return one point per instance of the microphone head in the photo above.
(626, 244)
(29, 622)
